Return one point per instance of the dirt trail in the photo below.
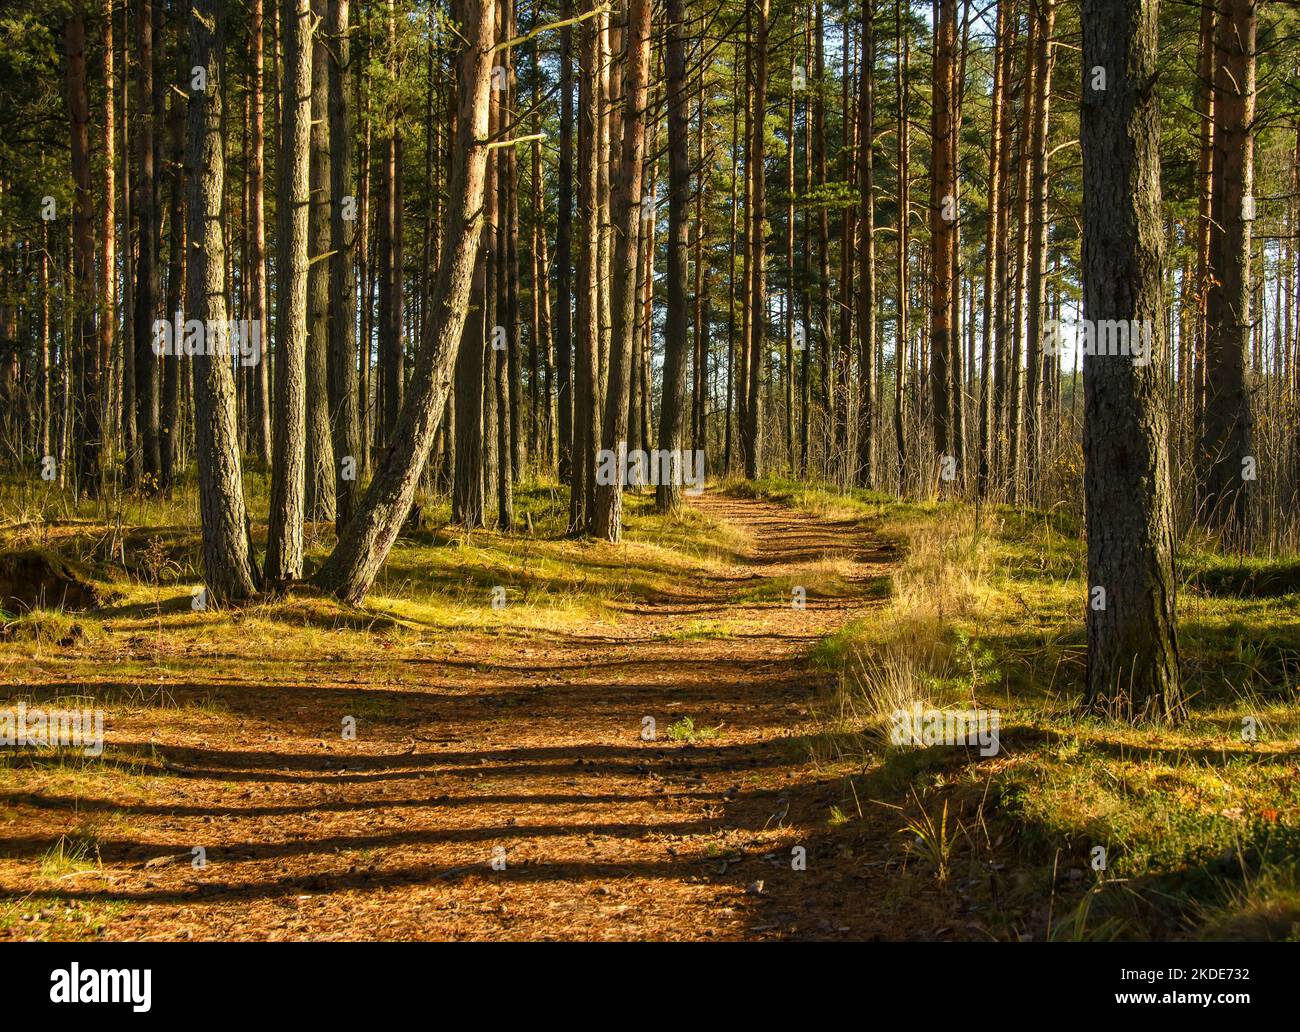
(531, 753)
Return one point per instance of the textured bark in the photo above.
(83, 370)
(993, 259)
(510, 267)
(1132, 649)
(503, 325)
(261, 400)
(564, 258)
(586, 302)
(146, 275)
(467, 501)
(757, 217)
(342, 328)
(364, 545)
(320, 445)
(108, 227)
(828, 400)
(227, 555)
(169, 423)
(623, 299)
(1003, 292)
(943, 191)
(700, 395)
(392, 352)
(1226, 442)
(1024, 186)
(904, 204)
(1036, 373)
(865, 471)
(668, 496)
(284, 548)
(1205, 199)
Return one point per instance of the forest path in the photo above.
(528, 750)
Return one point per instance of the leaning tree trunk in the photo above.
(364, 545)
(1132, 647)
(227, 555)
(288, 461)
(668, 495)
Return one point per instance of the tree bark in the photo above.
(320, 497)
(342, 329)
(364, 545)
(865, 473)
(84, 366)
(943, 192)
(586, 303)
(284, 547)
(563, 257)
(1132, 647)
(668, 495)
(146, 277)
(227, 552)
(1226, 449)
(757, 216)
(261, 407)
(627, 211)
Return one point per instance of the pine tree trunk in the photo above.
(668, 495)
(1132, 648)
(757, 216)
(904, 204)
(342, 289)
(108, 230)
(586, 305)
(1225, 494)
(564, 258)
(227, 551)
(146, 277)
(84, 366)
(943, 192)
(993, 258)
(320, 444)
(867, 255)
(364, 545)
(1036, 372)
(261, 407)
(284, 547)
(627, 212)
(169, 443)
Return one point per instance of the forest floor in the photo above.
(682, 736)
(524, 746)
